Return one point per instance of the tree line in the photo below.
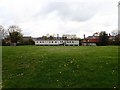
(13, 36)
(105, 39)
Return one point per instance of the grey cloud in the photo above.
(71, 11)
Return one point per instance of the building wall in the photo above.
(72, 42)
(57, 42)
(48, 42)
(88, 44)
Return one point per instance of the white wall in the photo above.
(57, 42)
(89, 44)
(47, 42)
(72, 42)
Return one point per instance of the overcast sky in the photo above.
(39, 17)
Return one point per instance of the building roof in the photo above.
(27, 37)
(54, 38)
(91, 39)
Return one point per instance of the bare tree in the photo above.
(3, 32)
(14, 34)
(115, 32)
(14, 28)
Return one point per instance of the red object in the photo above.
(91, 40)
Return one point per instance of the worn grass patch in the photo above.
(60, 67)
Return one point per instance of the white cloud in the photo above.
(39, 17)
(78, 11)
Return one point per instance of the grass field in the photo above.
(60, 67)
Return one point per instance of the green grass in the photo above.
(60, 67)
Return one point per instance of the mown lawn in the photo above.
(60, 67)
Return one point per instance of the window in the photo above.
(52, 41)
(72, 41)
(61, 41)
(55, 41)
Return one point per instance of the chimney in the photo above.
(57, 36)
(84, 36)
